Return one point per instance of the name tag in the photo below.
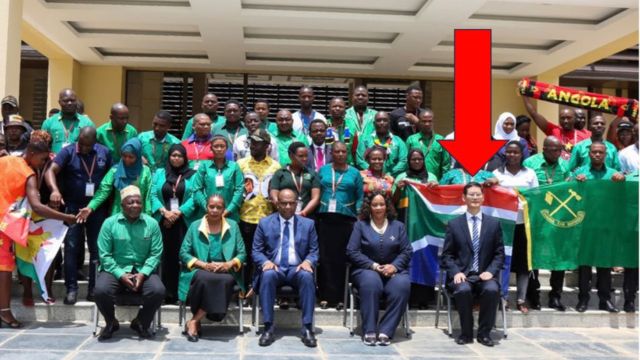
(219, 180)
(174, 204)
(332, 205)
(64, 144)
(89, 189)
(196, 166)
(299, 207)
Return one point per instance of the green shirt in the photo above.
(284, 141)
(352, 121)
(271, 127)
(546, 173)
(436, 159)
(188, 206)
(106, 188)
(580, 155)
(125, 245)
(591, 174)
(231, 189)
(114, 140)
(397, 153)
(188, 129)
(156, 152)
(231, 136)
(349, 190)
(283, 179)
(339, 133)
(215, 248)
(459, 176)
(64, 132)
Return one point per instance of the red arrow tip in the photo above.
(472, 153)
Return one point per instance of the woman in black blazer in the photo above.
(380, 255)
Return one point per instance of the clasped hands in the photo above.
(387, 270)
(460, 277)
(218, 267)
(132, 281)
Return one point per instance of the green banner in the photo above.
(582, 223)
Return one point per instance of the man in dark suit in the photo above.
(472, 256)
(285, 251)
(319, 150)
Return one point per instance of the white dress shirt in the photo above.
(470, 223)
(524, 179)
(629, 159)
(293, 257)
(298, 123)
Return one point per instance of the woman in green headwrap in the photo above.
(128, 171)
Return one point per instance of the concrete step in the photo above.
(83, 312)
(571, 278)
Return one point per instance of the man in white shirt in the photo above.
(303, 117)
(628, 156)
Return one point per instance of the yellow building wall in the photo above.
(99, 87)
(504, 98)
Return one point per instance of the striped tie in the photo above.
(284, 247)
(475, 240)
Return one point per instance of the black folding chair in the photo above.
(350, 297)
(444, 293)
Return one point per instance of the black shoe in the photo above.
(284, 304)
(309, 339)
(71, 298)
(90, 296)
(582, 306)
(463, 340)
(108, 330)
(137, 327)
(369, 339)
(608, 306)
(485, 340)
(554, 303)
(535, 306)
(629, 307)
(267, 338)
(190, 338)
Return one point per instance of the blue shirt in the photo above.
(74, 175)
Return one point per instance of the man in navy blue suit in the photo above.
(285, 251)
(472, 256)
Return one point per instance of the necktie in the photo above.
(284, 248)
(320, 157)
(475, 241)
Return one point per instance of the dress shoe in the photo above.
(324, 305)
(108, 330)
(267, 338)
(309, 339)
(485, 340)
(90, 296)
(535, 306)
(582, 306)
(190, 337)
(554, 303)
(608, 306)
(463, 340)
(522, 307)
(383, 340)
(137, 327)
(71, 298)
(369, 339)
(629, 306)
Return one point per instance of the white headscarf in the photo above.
(498, 132)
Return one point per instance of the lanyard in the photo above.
(335, 185)
(550, 177)
(155, 153)
(235, 137)
(175, 186)
(198, 149)
(298, 186)
(67, 131)
(428, 145)
(93, 165)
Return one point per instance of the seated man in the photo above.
(472, 256)
(129, 247)
(285, 251)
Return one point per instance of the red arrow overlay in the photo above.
(472, 146)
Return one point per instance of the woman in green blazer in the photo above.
(212, 253)
(173, 206)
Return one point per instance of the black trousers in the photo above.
(556, 281)
(172, 241)
(247, 231)
(630, 284)
(334, 231)
(107, 287)
(603, 283)
(488, 293)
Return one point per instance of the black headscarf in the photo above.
(421, 174)
(172, 173)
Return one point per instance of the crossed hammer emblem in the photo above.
(550, 197)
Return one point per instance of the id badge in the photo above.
(196, 166)
(219, 180)
(332, 205)
(64, 144)
(299, 207)
(89, 189)
(174, 204)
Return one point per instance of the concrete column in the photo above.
(10, 23)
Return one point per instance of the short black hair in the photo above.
(413, 88)
(522, 119)
(164, 115)
(470, 185)
(305, 87)
(598, 142)
(318, 120)
(425, 110)
(265, 101)
(295, 146)
(233, 101)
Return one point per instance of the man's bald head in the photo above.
(87, 139)
(119, 116)
(68, 101)
(551, 149)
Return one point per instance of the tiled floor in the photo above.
(42, 341)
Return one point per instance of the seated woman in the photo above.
(380, 255)
(374, 178)
(213, 253)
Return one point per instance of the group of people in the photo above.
(245, 202)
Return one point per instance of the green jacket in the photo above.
(188, 208)
(196, 247)
(232, 190)
(106, 187)
(188, 129)
(397, 153)
(124, 245)
(364, 129)
(114, 141)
